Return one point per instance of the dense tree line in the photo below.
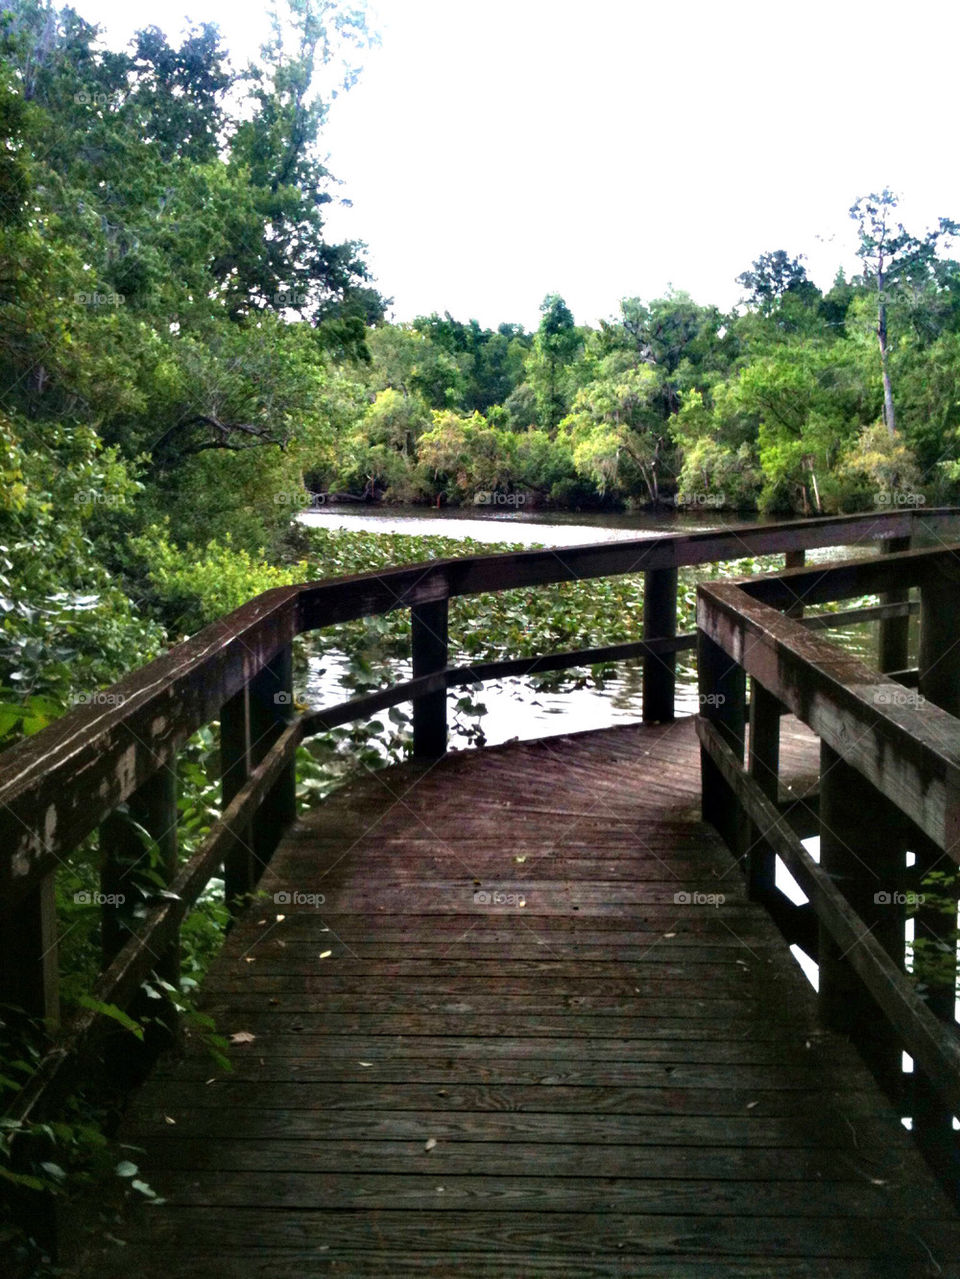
(799, 400)
(185, 356)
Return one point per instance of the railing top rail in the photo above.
(499, 571)
(842, 579)
(56, 786)
(911, 754)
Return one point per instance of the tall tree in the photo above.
(771, 276)
(891, 257)
(555, 346)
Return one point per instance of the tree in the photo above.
(891, 257)
(555, 347)
(617, 427)
(772, 275)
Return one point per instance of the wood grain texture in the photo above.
(502, 1045)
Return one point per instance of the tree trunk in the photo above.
(888, 416)
(816, 490)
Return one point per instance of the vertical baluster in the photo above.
(794, 559)
(129, 871)
(250, 723)
(934, 968)
(429, 624)
(659, 621)
(863, 846)
(722, 684)
(940, 683)
(238, 876)
(764, 767)
(894, 632)
(939, 628)
(29, 976)
(270, 710)
(128, 868)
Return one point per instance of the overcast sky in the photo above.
(497, 151)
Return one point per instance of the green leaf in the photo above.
(113, 1012)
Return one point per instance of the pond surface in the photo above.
(517, 525)
(514, 708)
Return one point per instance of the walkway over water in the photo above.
(502, 1046)
(528, 1010)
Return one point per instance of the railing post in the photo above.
(863, 849)
(939, 682)
(429, 624)
(934, 968)
(128, 878)
(794, 559)
(894, 633)
(250, 723)
(270, 708)
(238, 876)
(126, 874)
(722, 683)
(29, 972)
(764, 768)
(939, 651)
(659, 622)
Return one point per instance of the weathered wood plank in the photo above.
(641, 1061)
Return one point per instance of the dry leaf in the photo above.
(242, 1037)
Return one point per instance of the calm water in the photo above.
(528, 528)
(512, 707)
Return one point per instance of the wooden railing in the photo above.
(111, 764)
(887, 811)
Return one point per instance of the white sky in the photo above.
(497, 151)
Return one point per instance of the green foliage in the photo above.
(196, 585)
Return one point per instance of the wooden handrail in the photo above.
(58, 785)
(61, 784)
(889, 787)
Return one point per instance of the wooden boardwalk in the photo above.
(502, 1045)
